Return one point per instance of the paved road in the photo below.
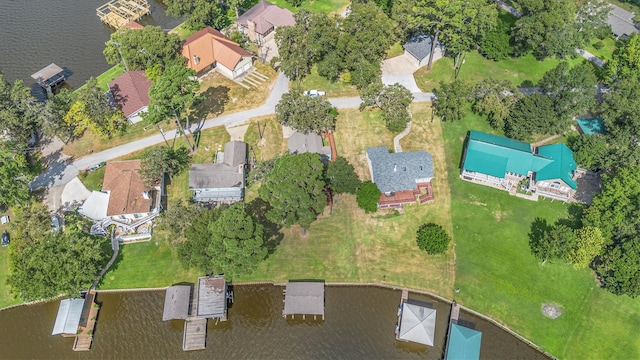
(61, 172)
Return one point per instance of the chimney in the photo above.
(395, 167)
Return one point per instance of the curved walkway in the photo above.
(396, 140)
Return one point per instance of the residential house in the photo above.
(224, 180)
(418, 48)
(403, 178)
(208, 49)
(506, 163)
(124, 200)
(130, 92)
(300, 143)
(621, 22)
(261, 20)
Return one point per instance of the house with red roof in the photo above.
(130, 92)
(208, 49)
(262, 19)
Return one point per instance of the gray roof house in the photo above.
(418, 48)
(299, 143)
(401, 177)
(224, 180)
(621, 22)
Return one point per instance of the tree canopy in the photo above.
(172, 96)
(14, 179)
(93, 111)
(20, 113)
(572, 89)
(140, 49)
(295, 190)
(341, 177)
(451, 101)
(432, 238)
(621, 113)
(494, 98)
(159, 160)
(58, 263)
(367, 197)
(393, 101)
(547, 28)
(237, 243)
(458, 24)
(532, 114)
(199, 13)
(305, 113)
(625, 60)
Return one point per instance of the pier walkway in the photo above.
(118, 13)
(195, 334)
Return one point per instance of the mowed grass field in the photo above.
(349, 245)
(498, 276)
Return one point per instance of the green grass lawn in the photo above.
(326, 6)
(106, 77)
(92, 180)
(498, 276)
(610, 45)
(6, 298)
(395, 50)
(522, 71)
(146, 264)
(336, 88)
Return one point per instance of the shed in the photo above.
(300, 143)
(417, 324)
(68, 318)
(418, 48)
(176, 302)
(212, 297)
(464, 343)
(304, 298)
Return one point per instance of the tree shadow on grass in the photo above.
(212, 104)
(539, 228)
(258, 208)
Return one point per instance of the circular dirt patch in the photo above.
(551, 311)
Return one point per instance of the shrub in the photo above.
(432, 238)
(367, 197)
(598, 45)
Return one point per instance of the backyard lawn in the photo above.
(350, 245)
(609, 46)
(6, 298)
(523, 71)
(498, 276)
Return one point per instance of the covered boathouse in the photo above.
(49, 77)
(304, 298)
(207, 301)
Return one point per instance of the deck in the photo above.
(453, 319)
(88, 323)
(119, 13)
(195, 334)
(422, 194)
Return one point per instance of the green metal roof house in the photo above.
(502, 162)
(464, 343)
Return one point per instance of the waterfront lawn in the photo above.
(498, 276)
(522, 71)
(106, 77)
(337, 88)
(146, 265)
(351, 246)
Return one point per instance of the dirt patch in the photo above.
(477, 203)
(551, 311)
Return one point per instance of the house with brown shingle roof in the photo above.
(208, 49)
(262, 19)
(124, 200)
(130, 92)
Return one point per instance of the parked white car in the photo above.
(314, 93)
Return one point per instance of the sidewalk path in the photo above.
(62, 172)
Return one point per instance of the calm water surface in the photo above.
(35, 33)
(359, 324)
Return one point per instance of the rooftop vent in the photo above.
(196, 59)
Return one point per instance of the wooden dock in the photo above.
(195, 334)
(453, 319)
(403, 299)
(118, 13)
(87, 326)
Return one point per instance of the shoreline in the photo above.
(334, 284)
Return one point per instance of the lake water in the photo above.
(35, 33)
(359, 324)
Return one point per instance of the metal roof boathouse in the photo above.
(176, 302)
(304, 298)
(49, 77)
